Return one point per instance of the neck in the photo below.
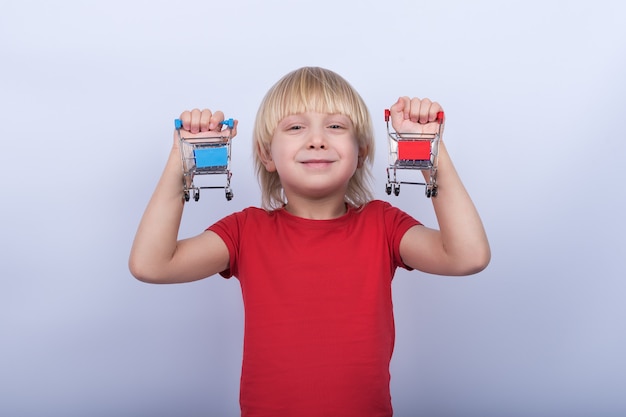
(316, 209)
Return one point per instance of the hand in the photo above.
(414, 115)
(203, 123)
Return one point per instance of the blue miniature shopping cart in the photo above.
(203, 154)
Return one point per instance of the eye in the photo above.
(295, 127)
(338, 122)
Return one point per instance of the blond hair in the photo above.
(317, 90)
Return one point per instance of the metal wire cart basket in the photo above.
(205, 154)
(413, 151)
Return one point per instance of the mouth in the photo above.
(316, 163)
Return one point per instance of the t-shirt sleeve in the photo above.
(229, 230)
(397, 222)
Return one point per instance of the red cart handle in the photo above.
(440, 116)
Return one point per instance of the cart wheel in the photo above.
(396, 190)
(388, 188)
(434, 192)
(429, 192)
(229, 195)
(196, 195)
(186, 195)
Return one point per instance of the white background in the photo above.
(534, 97)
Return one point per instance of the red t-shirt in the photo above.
(319, 328)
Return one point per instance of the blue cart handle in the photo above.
(230, 123)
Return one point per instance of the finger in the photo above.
(397, 107)
(185, 118)
(205, 120)
(435, 108)
(216, 119)
(233, 132)
(399, 111)
(406, 107)
(424, 111)
(194, 127)
(414, 112)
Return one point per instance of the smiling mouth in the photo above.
(317, 162)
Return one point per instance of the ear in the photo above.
(266, 159)
(363, 151)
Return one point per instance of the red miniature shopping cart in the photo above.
(413, 151)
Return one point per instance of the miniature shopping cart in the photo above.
(207, 153)
(413, 151)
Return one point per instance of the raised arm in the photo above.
(157, 256)
(460, 245)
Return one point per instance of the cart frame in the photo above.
(208, 153)
(413, 151)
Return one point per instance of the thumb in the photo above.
(234, 129)
(400, 111)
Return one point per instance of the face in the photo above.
(315, 154)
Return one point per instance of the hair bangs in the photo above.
(309, 90)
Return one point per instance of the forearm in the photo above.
(463, 237)
(156, 239)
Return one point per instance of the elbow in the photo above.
(137, 272)
(469, 261)
(477, 262)
(141, 272)
(478, 266)
(152, 273)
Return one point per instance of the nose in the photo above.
(317, 139)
